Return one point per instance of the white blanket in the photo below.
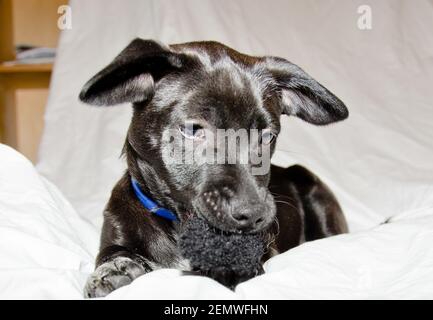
(378, 162)
(47, 251)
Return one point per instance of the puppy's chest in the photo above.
(182, 264)
(166, 254)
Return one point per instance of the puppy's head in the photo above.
(185, 98)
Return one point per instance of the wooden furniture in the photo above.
(24, 88)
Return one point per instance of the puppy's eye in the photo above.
(267, 137)
(192, 131)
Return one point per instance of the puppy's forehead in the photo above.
(224, 86)
(227, 71)
(240, 69)
(211, 52)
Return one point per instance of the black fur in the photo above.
(217, 87)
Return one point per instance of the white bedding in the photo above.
(47, 251)
(379, 162)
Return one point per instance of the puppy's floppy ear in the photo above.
(130, 77)
(304, 97)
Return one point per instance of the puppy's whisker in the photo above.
(288, 203)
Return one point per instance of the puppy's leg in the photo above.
(133, 242)
(117, 267)
(306, 207)
(323, 214)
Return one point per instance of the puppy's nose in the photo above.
(249, 219)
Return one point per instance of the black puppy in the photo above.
(186, 92)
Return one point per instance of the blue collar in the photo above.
(150, 205)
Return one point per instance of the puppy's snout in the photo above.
(212, 201)
(227, 210)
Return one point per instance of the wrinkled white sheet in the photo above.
(47, 251)
(379, 162)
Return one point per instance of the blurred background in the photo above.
(24, 83)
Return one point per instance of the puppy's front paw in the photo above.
(112, 275)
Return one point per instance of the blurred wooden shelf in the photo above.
(26, 68)
(24, 87)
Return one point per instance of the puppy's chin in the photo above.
(219, 226)
(212, 223)
(222, 229)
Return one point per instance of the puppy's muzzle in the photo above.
(231, 211)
